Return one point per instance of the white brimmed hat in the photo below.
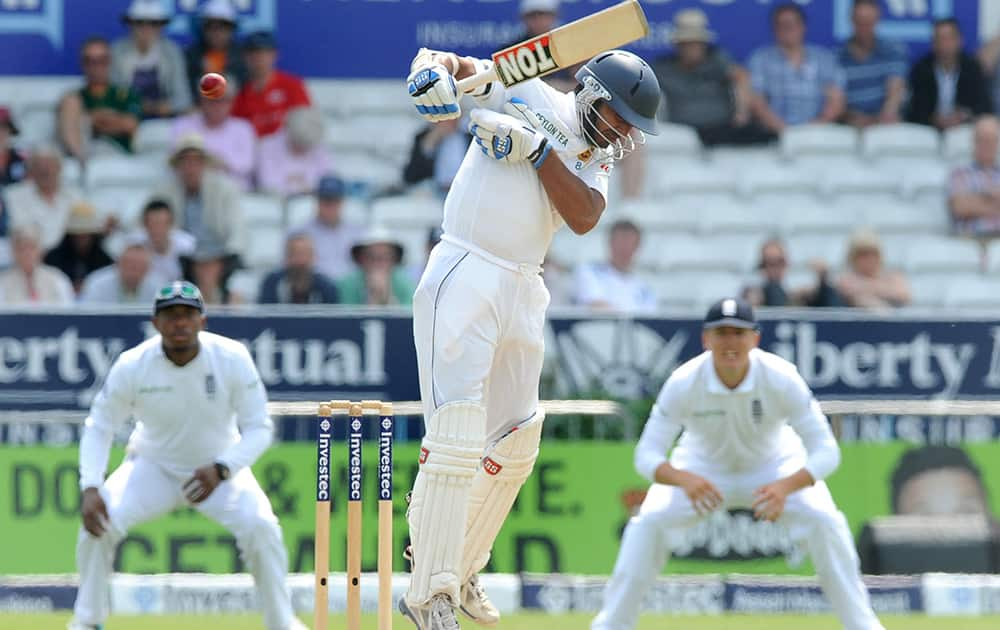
(146, 11)
(691, 25)
(219, 10)
(375, 236)
(539, 6)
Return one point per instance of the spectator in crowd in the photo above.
(875, 70)
(703, 88)
(100, 117)
(794, 83)
(537, 17)
(770, 289)
(293, 160)
(128, 281)
(166, 243)
(380, 279)
(329, 232)
(82, 249)
(13, 167)
(231, 140)
(215, 48)
(437, 152)
(43, 198)
(29, 281)
(298, 282)
(150, 63)
(947, 86)
(866, 283)
(207, 202)
(209, 268)
(974, 190)
(613, 285)
(269, 94)
(433, 238)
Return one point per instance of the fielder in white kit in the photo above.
(753, 436)
(479, 310)
(201, 421)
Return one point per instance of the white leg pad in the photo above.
(449, 456)
(498, 480)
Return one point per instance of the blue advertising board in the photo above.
(57, 360)
(377, 38)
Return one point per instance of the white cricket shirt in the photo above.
(772, 414)
(502, 207)
(214, 409)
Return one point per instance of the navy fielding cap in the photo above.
(179, 292)
(732, 312)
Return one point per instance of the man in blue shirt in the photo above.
(794, 83)
(875, 70)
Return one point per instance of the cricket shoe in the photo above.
(76, 625)
(438, 614)
(475, 603)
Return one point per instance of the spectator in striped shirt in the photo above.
(974, 190)
(874, 68)
(794, 83)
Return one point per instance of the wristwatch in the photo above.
(223, 470)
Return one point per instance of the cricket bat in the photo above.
(561, 47)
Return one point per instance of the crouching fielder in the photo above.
(753, 436)
(201, 421)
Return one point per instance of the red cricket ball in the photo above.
(212, 85)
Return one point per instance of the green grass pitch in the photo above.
(518, 622)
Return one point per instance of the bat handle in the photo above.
(482, 78)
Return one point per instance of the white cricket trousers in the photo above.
(140, 490)
(810, 515)
(479, 333)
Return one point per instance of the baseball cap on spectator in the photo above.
(691, 25)
(7, 119)
(331, 187)
(179, 292)
(84, 219)
(730, 312)
(260, 40)
(219, 11)
(539, 6)
(146, 11)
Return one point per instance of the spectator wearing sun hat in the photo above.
(380, 279)
(205, 201)
(82, 249)
(215, 48)
(149, 63)
(702, 87)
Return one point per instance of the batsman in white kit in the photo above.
(201, 420)
(541, 158)
(751, 436)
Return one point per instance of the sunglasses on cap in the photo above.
(179, 290)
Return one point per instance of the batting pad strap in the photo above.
(449, 458)
(504, 470)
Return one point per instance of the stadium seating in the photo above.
(153, 136)
(264, 247)
(674, 140)
(262, 209)
(904, 139)
(124, 170)
(818, 139)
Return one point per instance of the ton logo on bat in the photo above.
(524, 61)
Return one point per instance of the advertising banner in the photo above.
(567, 519)
(57, 360)
(46, 34)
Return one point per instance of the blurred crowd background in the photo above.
(808, 176)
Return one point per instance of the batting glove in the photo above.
(434, 93)
(504, 137)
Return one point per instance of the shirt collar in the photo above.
(716, 386)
